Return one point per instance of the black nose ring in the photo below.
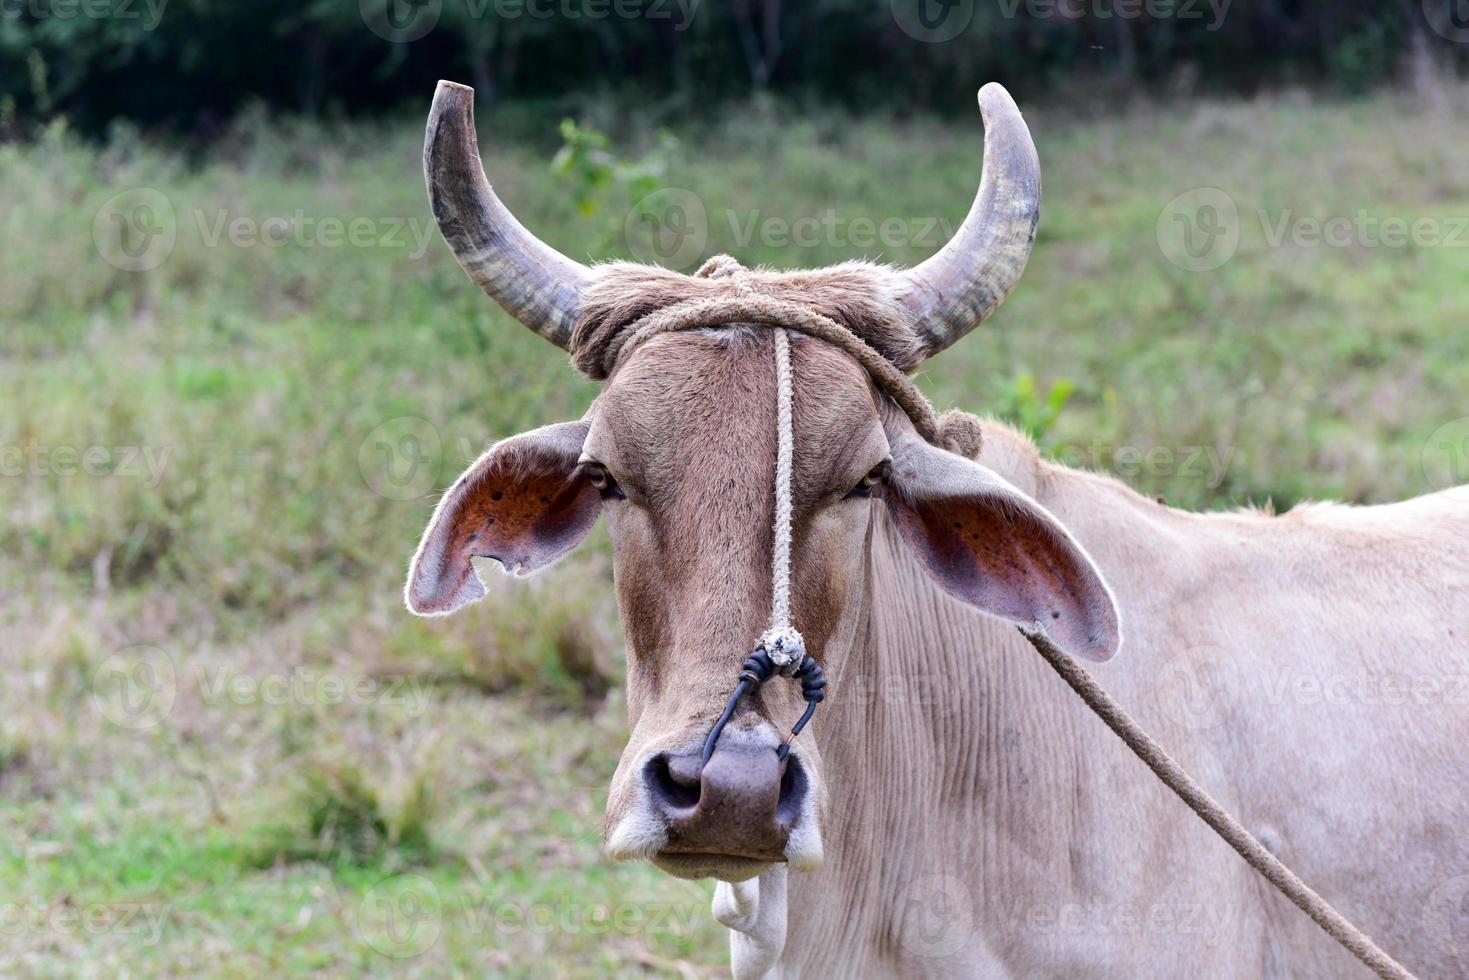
(756, 670)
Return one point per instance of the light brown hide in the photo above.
(979, 823)
(687, 427)
(977, 820)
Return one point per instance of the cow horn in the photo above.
(536, 284)
(961, 284)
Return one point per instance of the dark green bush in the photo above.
(189, 65)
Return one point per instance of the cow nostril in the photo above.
(792, 792)
(674, 780)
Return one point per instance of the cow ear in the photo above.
(524, 503)
(992, 546)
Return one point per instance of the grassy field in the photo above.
(224, 747)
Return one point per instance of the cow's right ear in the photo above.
(524, 503)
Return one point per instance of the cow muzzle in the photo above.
(730, 819)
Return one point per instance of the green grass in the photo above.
(217, 714)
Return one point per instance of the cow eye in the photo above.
(871, 482)
(598, 477)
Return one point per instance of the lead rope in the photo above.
(782, 649)
(1209, 810)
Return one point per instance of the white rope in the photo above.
(780, 605)
(782, 642)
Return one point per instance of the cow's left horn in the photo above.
(961, 284)
(536, 284)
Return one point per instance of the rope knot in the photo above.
(960, 432)
(728, 267)
(785, 647)
(720, 267)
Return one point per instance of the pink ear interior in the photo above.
(523, 503)
(1001, 552)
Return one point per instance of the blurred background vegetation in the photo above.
(188, 66)
(222, 426)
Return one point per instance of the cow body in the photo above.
(955, 809)
(1308, 669)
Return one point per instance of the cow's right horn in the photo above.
(536, 284)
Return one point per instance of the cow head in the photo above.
(679, 452)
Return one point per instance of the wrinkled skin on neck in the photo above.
(686, 427)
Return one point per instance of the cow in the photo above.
(954, 810)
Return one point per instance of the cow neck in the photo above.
(848, 747)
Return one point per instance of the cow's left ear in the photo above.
(992, 546)
(525, 503)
